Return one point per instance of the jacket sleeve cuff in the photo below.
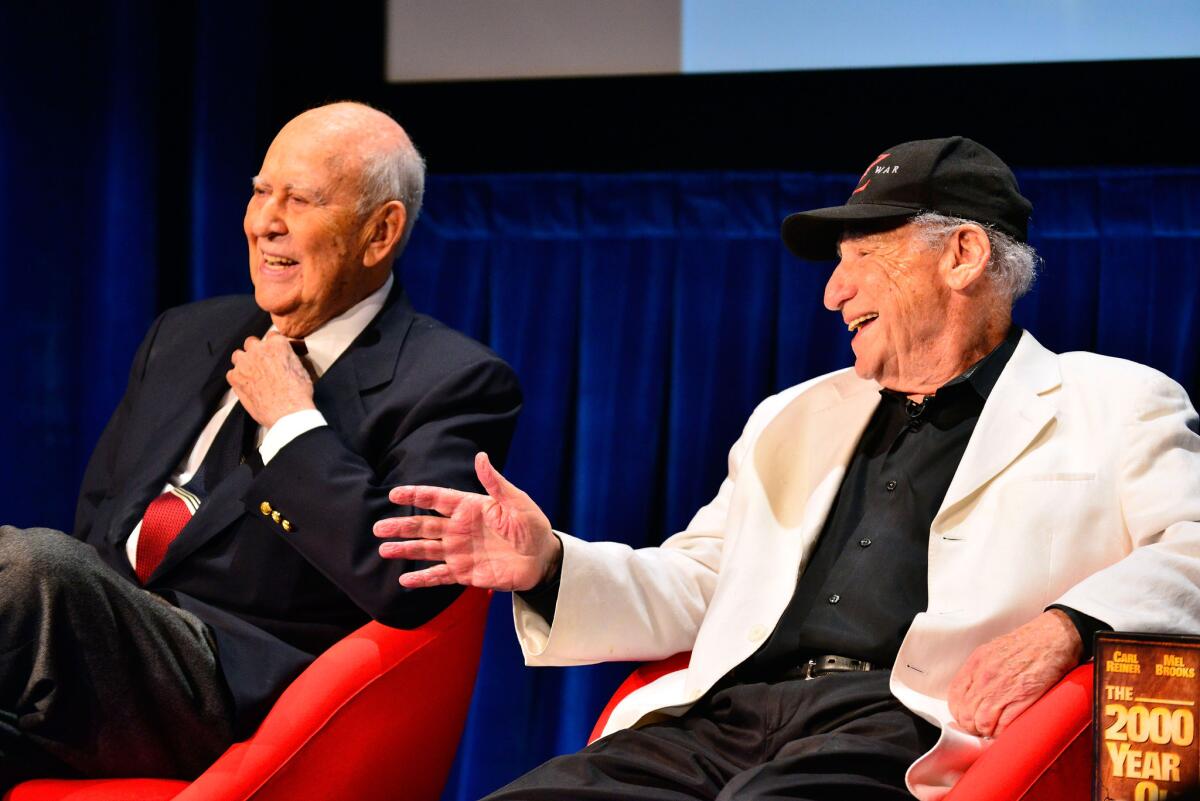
(286, 429)
(544, 597)
(1086, 625)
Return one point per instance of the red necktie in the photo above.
(165, 517)
(167, 514)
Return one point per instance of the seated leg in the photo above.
(838, 736)
(98, 674)
(841, 736)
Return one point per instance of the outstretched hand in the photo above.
(498, 541)
(1002, 678)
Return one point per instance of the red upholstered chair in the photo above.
(639, 678)
(1044, 755)
(376, 717)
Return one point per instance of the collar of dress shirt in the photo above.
(981, 376)
(330, 341)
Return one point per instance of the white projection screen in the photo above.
(451, 40)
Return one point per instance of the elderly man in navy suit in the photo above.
(223, 531)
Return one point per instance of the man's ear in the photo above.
(966, 257)
(384, 232)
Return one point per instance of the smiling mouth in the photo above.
(859, 322)
(278, 261)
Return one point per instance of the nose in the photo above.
(839, 289)
(263, 217)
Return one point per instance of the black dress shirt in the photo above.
(867, 577)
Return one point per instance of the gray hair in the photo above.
(397, 173)
(1013, 265)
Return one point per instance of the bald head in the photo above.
(369, 146)
(350, 119)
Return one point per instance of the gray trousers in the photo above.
(99, 677)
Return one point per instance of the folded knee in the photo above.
(33, 557)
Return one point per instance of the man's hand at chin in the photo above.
(269, 379)
(1002, 678)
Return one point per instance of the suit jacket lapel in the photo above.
(1016, 412)
(182, 415)
(182, 406)
(221, 508)
(369, 362)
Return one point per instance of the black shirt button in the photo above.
(865, 542)
(833, 599)
(891, 485)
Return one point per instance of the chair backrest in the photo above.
(376, 717)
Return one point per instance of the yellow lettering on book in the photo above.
(1116, 755)
(1159, 725)
(1148, 791)
(1128, 763)
(1170, 767)
(1175, 670)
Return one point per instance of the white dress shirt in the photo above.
(324, 345)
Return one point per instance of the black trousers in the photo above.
(839, 736)
(98, 677)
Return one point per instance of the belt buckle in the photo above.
(831, 664)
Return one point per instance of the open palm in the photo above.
(499, 541)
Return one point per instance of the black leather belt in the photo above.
(827, 663)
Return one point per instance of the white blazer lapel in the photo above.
(783, 496)
(1015, 414)
(809, 443)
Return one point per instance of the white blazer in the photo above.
(1080, 485)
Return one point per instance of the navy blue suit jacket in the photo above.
(409, 402)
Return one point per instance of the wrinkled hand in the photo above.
(499, 541)
(1002, 678)
(269, 379)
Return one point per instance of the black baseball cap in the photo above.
(954, 176)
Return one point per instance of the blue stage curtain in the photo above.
(78, 216)
(117, 179)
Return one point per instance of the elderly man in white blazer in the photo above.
(978, 505)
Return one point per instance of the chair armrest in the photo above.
(412, 684)
(1032, 743)
(639, 678)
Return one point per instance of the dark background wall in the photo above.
(582, 220)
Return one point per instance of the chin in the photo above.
(866, 370)
(274, 302)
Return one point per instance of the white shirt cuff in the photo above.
(286, 429)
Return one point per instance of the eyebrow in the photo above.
(318, 195)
